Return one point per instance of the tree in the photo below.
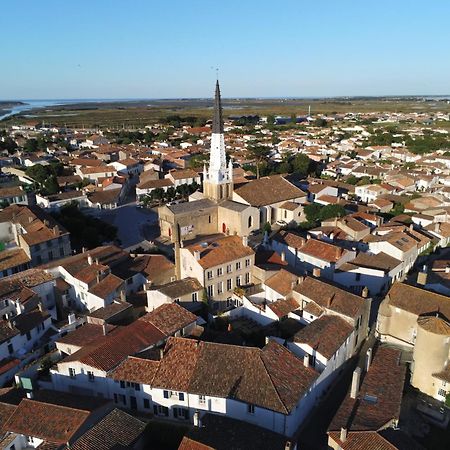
(158, 194)
(171, 193)
(330, 211)
(312, 212)
(259, 153)
(31, 145)
(267, 227)
(270, 119)
(301, 164)
(51, 185)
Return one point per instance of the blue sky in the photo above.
(164, 48)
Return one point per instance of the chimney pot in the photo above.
(343, 435)
(316, 272)
(283, 256)
(161, 353)
(365, 292)
(90, 260)
(306, 360)
(105, 329)
(245, 241)
(355, 382)
(368, 358)
(197, 255)
(197, 420)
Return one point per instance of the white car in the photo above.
(281, 223)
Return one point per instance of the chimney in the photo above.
(436, 227)
(266, 340)
(96, 261)
(338, 252)
(316, 272)
(161, 353)
(105, 330)
(283, 256)
(365, 292)
(99, 277)
(197, 255)
(89, 260)
(422, 276)
(30, 394)
(46, 223)
(411, 227)
(355, 382)
(343, 435)
(290, 445)
(40, 307)
(56, 230)
(30, 219)
(245, 241)
(306, 360)
(368, 358)
(123, 296)
(71, 318)
(197, 420)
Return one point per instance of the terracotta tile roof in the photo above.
(106, 197)
(379, 399)
(325, 334)
(117, 430)
(108, 351)
(331, 297)
(8, 364)
(380, 260)
(223, 433)
(269, 190)
(314, 309)
(106, 286)
(367, 440)
(434, 324)
(6, 411)
(181, 174)
(322, 250)
(282, 282)
(136, 370)
(28, 320)
(179, 288)
(272, 378)
(12, 258)
(84, 335)
(177, 366)
(290, 206)
(289, 238)
(109, 311)
(220, 251)
(45, 421)
(418, 301)
(154, 184)
(283, 307)
(169, 318)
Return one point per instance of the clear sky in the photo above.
(168, 48)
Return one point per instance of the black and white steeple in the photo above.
(218, 174)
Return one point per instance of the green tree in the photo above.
(51, 185)
(302, 164)
(330, 211)
(259, 153)
(312, 212)
(31, 145)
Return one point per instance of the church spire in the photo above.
(217, 126)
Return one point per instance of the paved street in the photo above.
(133, 224)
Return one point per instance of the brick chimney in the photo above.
(316, 272)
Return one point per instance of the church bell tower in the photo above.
(218, 178)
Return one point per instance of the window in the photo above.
(201, 399)
(180, 413)
(238, 281)
(247, 262)
(28, 335)
(181, 397)
(229, 284)
(166, 394)
(146, 403)
(210, 290)
(357, 276)
(247, 278)
(250, 221)
(229, 268)
(72, 372)
(238, 265)
(229, 302)
(219, 288)
(209, 219)
(209, 274)
(219, 272)
(122, 384)
(160, 410)
(50, 256)
(194, 296)
(90, 375)
(251, 409)
(442, 392)
(177, 300)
